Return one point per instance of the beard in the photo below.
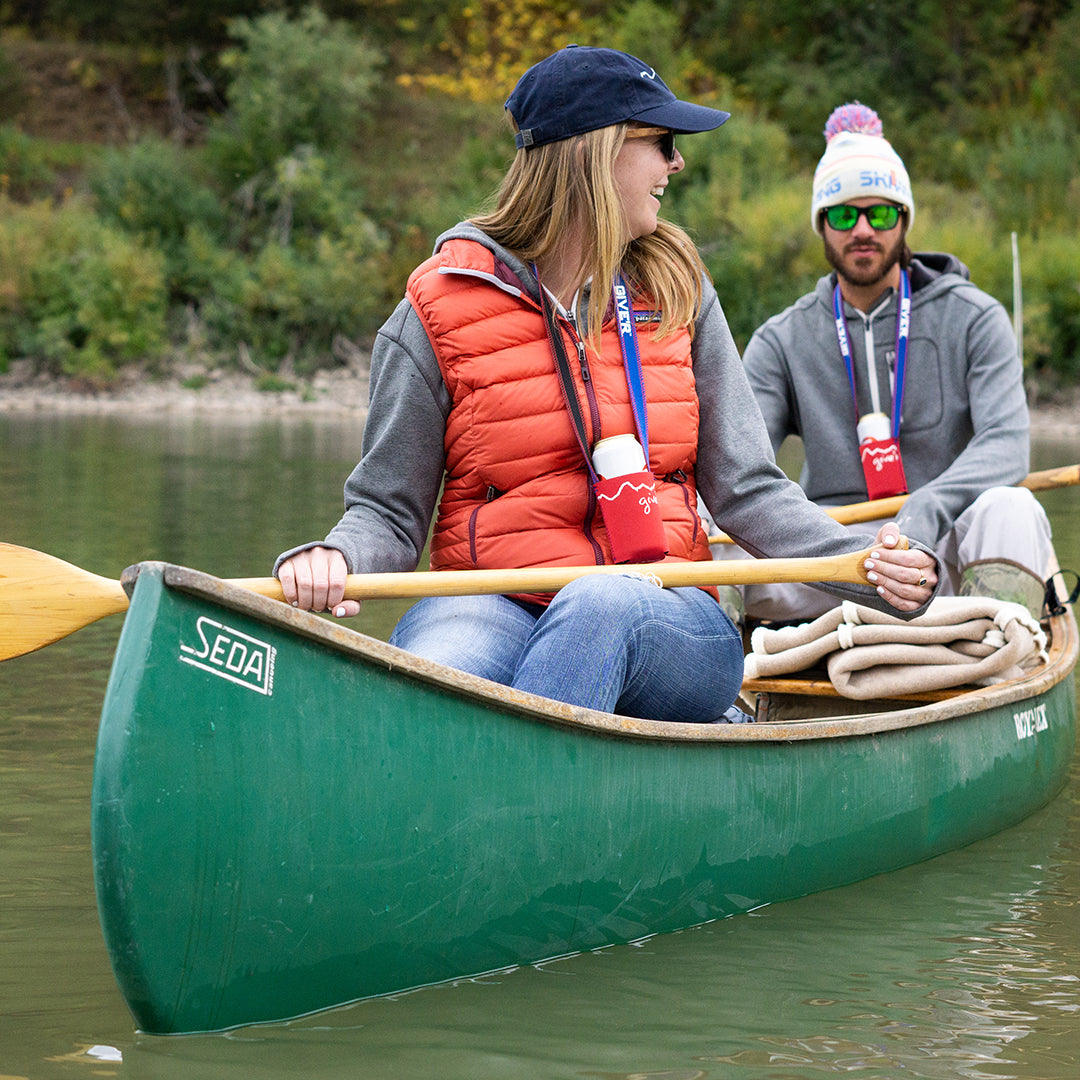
(877, 258)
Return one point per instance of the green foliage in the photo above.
(32, 167)
(1029, 172)
(963, 224)
(153, 190)
(766, 258)
(1055, 80)
(12, 86)
(281, 263)
(77, 293)
(747, 155)
(1051, 276)
(273, 384)
(749, 219)
(651, 32)
(283, 302)
(305, 81)
(1063, 316)
(22, 169)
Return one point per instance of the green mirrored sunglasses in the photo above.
(881, 216)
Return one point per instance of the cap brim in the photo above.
(682, 117)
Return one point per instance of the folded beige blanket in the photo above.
(958, 640)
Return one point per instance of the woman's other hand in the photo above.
(904, 577)
(314, 579)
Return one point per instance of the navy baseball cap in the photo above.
(581, 88)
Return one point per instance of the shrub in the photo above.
(77, 294)
(761, 253)
(1051, 290)
(12, 84)
(487, 44)
(153, 189)
(22, 168)
(305, 81)
(286, 302)
(1030, 170)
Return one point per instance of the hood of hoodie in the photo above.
(926, 266)
(509, 268)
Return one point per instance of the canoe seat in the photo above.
(810, 694)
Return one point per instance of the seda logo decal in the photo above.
(230, 654)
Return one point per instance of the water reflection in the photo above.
(961, 967)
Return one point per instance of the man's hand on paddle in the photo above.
(314, 579)
(905, 577)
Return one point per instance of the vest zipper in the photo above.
(586, 378)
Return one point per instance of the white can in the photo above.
(875, 425)
(618, 456)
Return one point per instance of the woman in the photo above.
(494, 388)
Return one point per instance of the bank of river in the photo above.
(338, 392)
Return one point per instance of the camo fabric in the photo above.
(731, 601)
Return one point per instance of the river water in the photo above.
(964, 966)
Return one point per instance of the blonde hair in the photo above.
(563, 187)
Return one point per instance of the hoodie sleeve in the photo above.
(390, 496)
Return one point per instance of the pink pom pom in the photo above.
(853, 117)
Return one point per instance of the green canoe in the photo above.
(288, 815)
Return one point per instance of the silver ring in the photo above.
(922, 580)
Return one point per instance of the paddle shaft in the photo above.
(43, 599)
(543, 579)
(875, 509)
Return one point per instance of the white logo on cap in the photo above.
(650, 74)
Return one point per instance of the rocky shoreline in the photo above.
(340, 393)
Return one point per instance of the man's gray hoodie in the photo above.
(392, 493)
(965, 420)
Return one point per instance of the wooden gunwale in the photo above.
(1063, 650)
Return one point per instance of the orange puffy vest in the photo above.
(516, 491)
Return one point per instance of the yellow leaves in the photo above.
(85, 71)
(491, 43)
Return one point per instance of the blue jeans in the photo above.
(615, 643)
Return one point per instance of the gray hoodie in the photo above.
(392, 493)
(965, 420)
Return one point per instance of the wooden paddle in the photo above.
(43, 599)
(853, 513)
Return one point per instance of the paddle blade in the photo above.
(43, 599)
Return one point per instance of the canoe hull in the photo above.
(289, 816)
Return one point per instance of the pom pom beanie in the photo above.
(858, 162)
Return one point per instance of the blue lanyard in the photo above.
(631, 363)
(624, 315)
(903, 324)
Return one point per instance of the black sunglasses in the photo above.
(881, 216)
(666, 138)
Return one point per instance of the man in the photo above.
(900, 376)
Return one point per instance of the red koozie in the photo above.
(632, 518)
(882, 467)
